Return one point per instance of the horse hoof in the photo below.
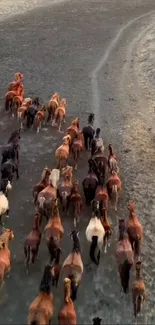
(7, 216)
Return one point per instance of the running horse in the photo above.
(65, 187)
(90, 184)
(44, 182)
(5, 255)
(76, 202)
(89, 131)
(100, 164)
(67, 314)
(52, 106)
(77, 147)
(11, 149)
(14, 89)
(62, 153)
(60, 115)
(73, 129)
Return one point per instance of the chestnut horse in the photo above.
(101, 196)
(60, 114)
(32, 243)
(107, 227)
(9, 96)
(39, 119)
(46, 196)
(72, 267)
(21, 112)
(114, 186)
(73, 129)
(138, 291)
(67, 314)
(77, 147)
(90, 184)
(76, 202)
(52, 106)
(65, 187)
(42, 307)
(62, 153)
(124, 256)
(5, 255)
(134, 229)
(53, 230)
(44, 182)
(112, 160)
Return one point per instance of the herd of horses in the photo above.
(58, 190)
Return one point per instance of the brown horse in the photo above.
(124, 256)
(42, 307)
(5, 255)
(67, 314)
(76, 202)
(40, 117)
(138, 291)
(72, 267)
(65, 187)
(52, 106)
(101, 196)
(9, 96)
(46, 196)
(107, 227)
(77, 148)
(32, 243)
(44, 182)
(134, 229)
(114, 186)
(112, 160)
(73, 129)
(56, 267)
(100, 164)
(90, 184)
(60, 114)
(21, 111)
(54, 230)
(62, 153)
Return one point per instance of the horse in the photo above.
(52, 106)
(72, 267)
(101, 196)
(39, 119)
(62, 153)
(107, 227)
(46, 196)
(9, 96)
(114, 186)
(67, 314)
(76, 202)
(56, 267)
(31, 112)
(134, 229)
(100, 164)
(11, 149)
(77, 147)
(90, 184)
(60, 114)
(53, 230)
(88, 132)
(124, 256)
(21, 112)
(97, 321)
(97, 143)
(65, 187)
(138, 291)
(42, 307)
(95, 233)
(8, 169)
(32, 243)
(4, 203)
(73, 129)
(5, 255)
(112, 160)
(44, 182)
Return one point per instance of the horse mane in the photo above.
(45, 285)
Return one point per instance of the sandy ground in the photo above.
(67, 48)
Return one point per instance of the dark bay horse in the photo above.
(88, 132)
(90, 184)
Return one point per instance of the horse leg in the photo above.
(90, 138)
(7, 213)
(17, 173)
(98, 257)
(85, 141)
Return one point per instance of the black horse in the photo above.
(90, 184)
(89, 131)
(11, 149)
(31, 112)
(8, 169)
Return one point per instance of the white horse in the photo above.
(95, 233)
(4, 203)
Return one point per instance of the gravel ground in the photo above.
(101, 58)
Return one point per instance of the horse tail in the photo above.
(125, 275)
(7, 104)
(34, 322)
(138, 305)
(45, 285)
(114, 193)
(137, 245)
(93, 248)
(27, 252)
(41, 202)
(51, 248)
(74, 288)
